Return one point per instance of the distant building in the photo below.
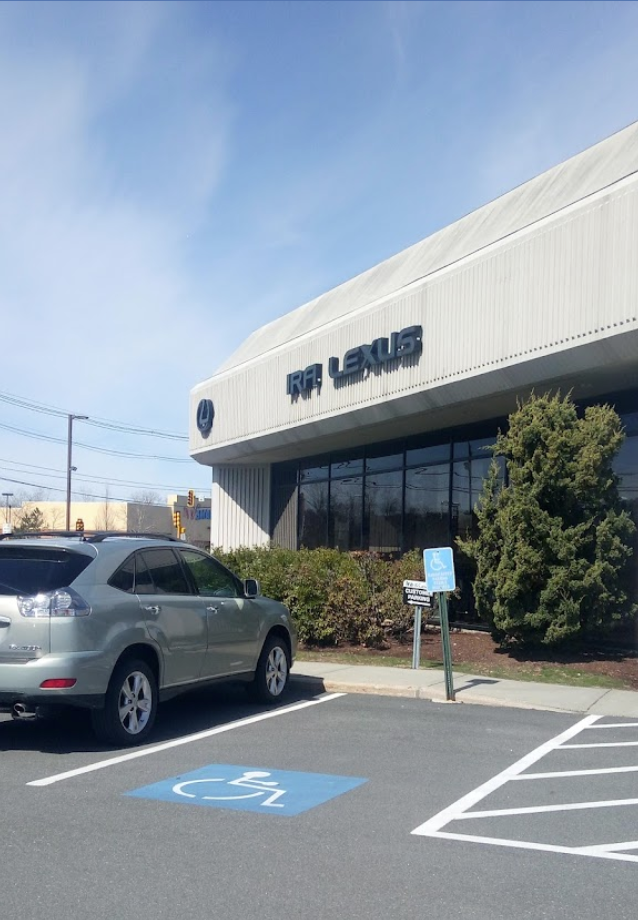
(138, 517)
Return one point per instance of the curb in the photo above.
(426, 694)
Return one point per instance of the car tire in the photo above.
(130, 705)
(272, 672)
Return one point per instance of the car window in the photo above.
(211, 578)
(143, 581)
(164, 571)
(124, 577)
(30, 569)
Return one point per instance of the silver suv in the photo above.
(118, 622)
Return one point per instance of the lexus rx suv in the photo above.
(116, 623)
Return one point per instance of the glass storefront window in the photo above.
(471, 450)
(435, 453)
(383, 511)
(346, 513)
(467, 485)
(311, 470)
(350, 464)
(427, 507)
(313, 514)
(377, 459)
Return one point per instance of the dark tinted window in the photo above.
(313, 514)
(346, 513)
(143, 581)
(211, 578)
(434, 454)
(378, 459)
(383, 511)
(27, 570)
(427, 507)
(124, 577)
(165, 571)
(346, 465)
(310, 470)
(470, 450)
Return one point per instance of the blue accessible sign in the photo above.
(280, 792)
(439, 569)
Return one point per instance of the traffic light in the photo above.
(79, 524)
(177, 520)
(190, 501)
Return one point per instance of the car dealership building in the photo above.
(360, 419)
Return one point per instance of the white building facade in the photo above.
(359, 419)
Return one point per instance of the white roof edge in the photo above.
(581, 175)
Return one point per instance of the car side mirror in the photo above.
(251, 587)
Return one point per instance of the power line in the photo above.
(96, 421)
(35, 485)
(50, 472)
(38, 436)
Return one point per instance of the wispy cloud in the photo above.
(105, 170)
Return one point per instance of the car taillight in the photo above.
(58, 683)
(65, 602)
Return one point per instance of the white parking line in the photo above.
(459, 810)
(603, 852)
(543, 809)
(610, 847)
(601, 744)
(559, 774)
(187, 739)
(452, 812)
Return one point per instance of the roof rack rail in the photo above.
(86, 536)
(97, 536)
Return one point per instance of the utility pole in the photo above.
(7, 512)
(69, 467)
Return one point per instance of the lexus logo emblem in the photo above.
(205, 416)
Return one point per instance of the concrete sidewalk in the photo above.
(429, 684)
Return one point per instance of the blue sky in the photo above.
(176, 175)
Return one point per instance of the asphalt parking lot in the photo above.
(350, 806)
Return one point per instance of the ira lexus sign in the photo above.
(377, 354)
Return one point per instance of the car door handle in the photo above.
(154, 609)
(212, 609)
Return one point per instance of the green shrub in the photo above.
(335, 598)
(554, 546)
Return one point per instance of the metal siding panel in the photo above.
(240, 506)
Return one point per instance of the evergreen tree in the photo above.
(554, 545)
(30, 521)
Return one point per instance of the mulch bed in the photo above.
(478, 648)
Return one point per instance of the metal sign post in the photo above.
(447, 649)
(417, 595)
(440, 578)
(416, 642)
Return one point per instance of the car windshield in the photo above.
(28, 570)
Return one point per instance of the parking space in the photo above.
(328, 791)
(586, 806)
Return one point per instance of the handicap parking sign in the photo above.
(282, 792)
(439, 569)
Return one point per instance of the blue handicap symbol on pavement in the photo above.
(439, 569)
(282, 792)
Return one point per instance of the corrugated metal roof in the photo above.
(584, 174)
